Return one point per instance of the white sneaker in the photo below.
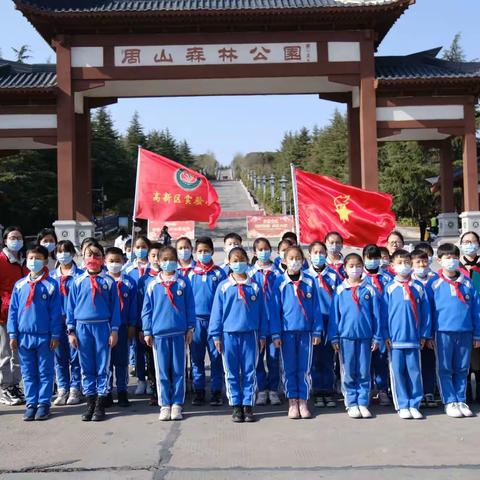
(262, 398)
(364, 412)
(404, 413)
(452, 410)
(74, 397)
(62, 396)
(164, 414)
(141, 387)
(416, 414)
(354, 412)
(148, 389)
(176, 413)
(464, 409)
(274, 398)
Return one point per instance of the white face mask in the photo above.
(354, 272)
(114, 267)
(403, 269)
(294, 265)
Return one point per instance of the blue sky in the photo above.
(230, 125)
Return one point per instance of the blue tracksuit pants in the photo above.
(199, 345)
(406, 377)
(67, 364)
(453, 351)
(94, 354)
(119, 361)
(323, 376)
(240, 356)
(355, 362)
(379, 369)
(296, 356)
(169, 354)
(428, 370)
(269, 378)
(37, 367)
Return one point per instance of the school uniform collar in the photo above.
(11, 258)
(36, 280)
(337, 262)
(232, 281)
(161, 279)
(460, 279)
(71, 272)
(191, 265)
(301, 278)
(425, 279)
(402, 282)
(311, 271)
(346, 284)
(256, 268)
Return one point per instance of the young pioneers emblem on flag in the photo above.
(187, 180)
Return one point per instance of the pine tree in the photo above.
(455, 52)
(135, 136)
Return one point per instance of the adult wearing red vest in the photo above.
(11, 270)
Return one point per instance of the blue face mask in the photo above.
(64, 258)
(141, 252)
(204, 257)
(318, 260)
(372, 264)
(239, 267)
(469, 248)
(169, 266)
(421, 271)
(264, 255)
(450, 264)
(35, 265)
(184, 254)
(14, 245)
(50, 246)
(334, 248)
(403, 269)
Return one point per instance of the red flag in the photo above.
(167, 190)
(325, 204)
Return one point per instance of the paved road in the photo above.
(133, 444)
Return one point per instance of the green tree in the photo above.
(22, 54)
(134, 137)
(455, 52)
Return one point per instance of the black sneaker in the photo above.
(216, 399)
(43, 412)
(99, 411)
(29, 414)
(248, 414)
(18, 392)
(237, 415)
(122, 399)
(108, 401)
(198, 398)
(88, 413)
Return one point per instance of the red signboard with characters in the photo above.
(273, 226)
(175, 229)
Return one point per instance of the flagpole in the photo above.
(295, 200)
(135, 199)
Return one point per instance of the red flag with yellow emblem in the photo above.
(166, 190)
(324, 204)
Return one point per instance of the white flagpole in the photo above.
(295, 201)
(135, 200)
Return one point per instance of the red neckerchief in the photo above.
(63, 285)
(454, 284)
(355, 295)
(168, 284)
(119, 292)
(376, 282)
(184, 270)
(32, 285)
(337, 269)
(95, 287)
(411, 297)
(299, 294)
(265, 284)
(141, 270)
(324, 283)
(202, 269)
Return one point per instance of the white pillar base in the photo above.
(66, 230)
(470, 222)
(448, 224)
(84, 230)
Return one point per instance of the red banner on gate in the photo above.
(175, 229)
(269, 226)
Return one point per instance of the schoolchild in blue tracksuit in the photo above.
(168, 319)
(93, 320)
(279, 261)
(423, 273)
(296, 325)
(237, 328)
(385, 262)
(354, 331)
(406, 329)
(230, 241)
(264, 273)
(34, 323)
(186, 263)
(456, 328)
(67, 363)
(323, 376)
(205, 279)
(376, 277)
(334, 244)
(136, 268)
(127, 296)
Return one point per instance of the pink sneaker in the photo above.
(293, 412)
(304, 411)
